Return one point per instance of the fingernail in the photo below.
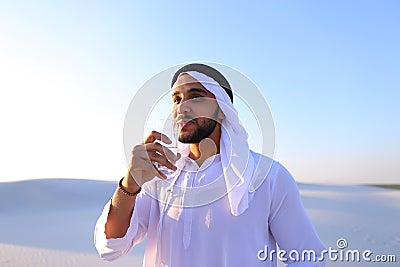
(177, 156)
(167, 140)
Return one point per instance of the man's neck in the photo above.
(203, 150)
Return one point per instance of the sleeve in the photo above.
(113, 248)
(291, 226)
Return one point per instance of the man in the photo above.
(208, 212)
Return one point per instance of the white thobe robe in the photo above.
(209, 235)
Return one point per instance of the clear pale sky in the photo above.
(328, 69)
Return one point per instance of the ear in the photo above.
(221, 115)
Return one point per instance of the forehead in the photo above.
(186, 82)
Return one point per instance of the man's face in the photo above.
(195, 110)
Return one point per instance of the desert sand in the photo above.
(50, 222)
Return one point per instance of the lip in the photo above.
(184, 124)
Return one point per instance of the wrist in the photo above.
(130, 183)
(126, 190)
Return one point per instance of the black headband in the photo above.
(207, 70)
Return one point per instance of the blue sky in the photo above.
(328, 69)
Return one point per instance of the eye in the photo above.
(176, 100)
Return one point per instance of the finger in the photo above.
(155, 157)
(162, 150)
(150, 166)
(154, 135)
(159, 174)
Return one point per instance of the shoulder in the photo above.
(270, 172)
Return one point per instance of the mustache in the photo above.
(184, 117)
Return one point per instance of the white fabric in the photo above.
(236, 160)
(210, 235)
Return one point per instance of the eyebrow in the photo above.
(192, 90)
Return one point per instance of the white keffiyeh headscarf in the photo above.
(237, 161)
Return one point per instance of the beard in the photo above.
(205, 126)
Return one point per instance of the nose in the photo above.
(183, 107)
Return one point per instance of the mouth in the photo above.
(186, 123)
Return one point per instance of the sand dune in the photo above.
(50, 222)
